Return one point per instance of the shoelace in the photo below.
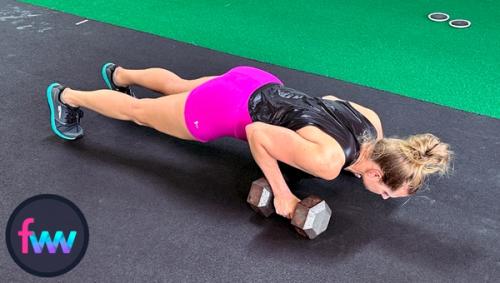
(126, 90)
(73, 115)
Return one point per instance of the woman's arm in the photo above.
(269, 143)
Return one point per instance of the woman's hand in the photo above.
(285, 205)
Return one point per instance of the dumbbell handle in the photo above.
(261, 197)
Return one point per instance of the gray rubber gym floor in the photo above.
(163, 209)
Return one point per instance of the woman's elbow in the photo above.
(330, 176)
(332, 171)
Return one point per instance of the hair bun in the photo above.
(428, 152)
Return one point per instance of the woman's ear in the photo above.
(374, 173)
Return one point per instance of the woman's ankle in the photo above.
(66, 97)
(118, 77)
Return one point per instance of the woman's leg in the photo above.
(157, 79)
(165, 114)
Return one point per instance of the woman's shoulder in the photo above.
(329, 145)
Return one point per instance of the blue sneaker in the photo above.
(107, 74)
(64, 119)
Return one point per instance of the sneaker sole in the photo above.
(104, 75)
(52, 113)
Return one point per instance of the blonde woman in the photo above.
(320, 136)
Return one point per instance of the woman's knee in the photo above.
(139, 111)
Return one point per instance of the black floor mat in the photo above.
(163, 209)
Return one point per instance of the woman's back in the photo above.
(282, 106)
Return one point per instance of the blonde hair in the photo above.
(411, 160)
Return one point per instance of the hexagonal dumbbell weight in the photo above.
(311, 217)
(261, 197)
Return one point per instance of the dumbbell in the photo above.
(311, 216)
(261, 196)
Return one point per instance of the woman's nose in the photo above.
(384, 196)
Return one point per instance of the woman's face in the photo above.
(372, 181)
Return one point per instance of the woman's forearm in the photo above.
(269, 166)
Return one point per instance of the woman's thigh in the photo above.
(166, 114)
(194, 83)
